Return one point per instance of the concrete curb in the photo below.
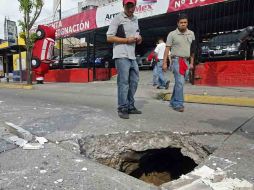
(217, 100)
(16, 86)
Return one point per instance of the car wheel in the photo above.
(40, 33)
(35, 62)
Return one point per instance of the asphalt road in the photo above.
(64, 112)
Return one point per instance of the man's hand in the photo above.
(164, 66)
(139, 39)
(131, 40)
(191, 66)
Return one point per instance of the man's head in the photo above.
(129, 7)
(160, 40)
(182, 22)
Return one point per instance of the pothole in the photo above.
(154, 157)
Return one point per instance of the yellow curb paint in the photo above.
(16, 86)
(222, 100)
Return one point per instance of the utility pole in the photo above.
(60, 39)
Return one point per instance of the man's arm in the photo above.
(165, 58)
(115, 39)
(112, 31)
(192, 52)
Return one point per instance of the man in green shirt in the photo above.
(179, 42)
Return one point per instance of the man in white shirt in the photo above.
(159, 51)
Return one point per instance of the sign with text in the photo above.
(178, 5)
(75, 24)
(11, 31)
(144, 9)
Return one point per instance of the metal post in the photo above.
(94, 46)
(7, 68)
(20, 63)
(60, 40)
(88, 56)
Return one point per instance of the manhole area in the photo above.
(158, 166)
(156, 158)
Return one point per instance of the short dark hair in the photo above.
(182, 16)
(160, 38)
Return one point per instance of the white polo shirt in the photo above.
(160, 48)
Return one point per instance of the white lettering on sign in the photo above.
(56, 25)
(179, 3)
(65, 31)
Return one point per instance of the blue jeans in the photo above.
(177, 98)
(161, 80)
(155, 75)
(127, 82)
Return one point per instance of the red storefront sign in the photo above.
(75, 24)
(177, 5)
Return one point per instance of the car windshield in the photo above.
(225, 38)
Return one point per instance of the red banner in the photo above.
(75, 24)
(177, 5)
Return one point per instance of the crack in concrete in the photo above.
(238, 128)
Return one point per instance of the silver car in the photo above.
(76, 60)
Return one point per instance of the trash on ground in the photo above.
(18, 141)
(41, 140)
(43, 171)
(32, 146)
(58, 181)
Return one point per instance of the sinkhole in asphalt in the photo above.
(158, 166)
(156, 158)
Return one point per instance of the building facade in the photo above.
(90, 4)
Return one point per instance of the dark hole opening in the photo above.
(159, 166)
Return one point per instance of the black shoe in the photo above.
(39, 81)
(123, 114)
(167, 84)
(134, 111)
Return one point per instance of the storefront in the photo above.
(207, 18)
(12, 59)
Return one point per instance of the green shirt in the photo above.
(180, 43)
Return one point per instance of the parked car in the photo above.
(103, 59)
(224, 47)
(55, 61)
(143, 62)
(76, 60)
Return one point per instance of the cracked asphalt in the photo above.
(66, 112)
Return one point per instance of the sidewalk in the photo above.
(235, 96)
(16, 85)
